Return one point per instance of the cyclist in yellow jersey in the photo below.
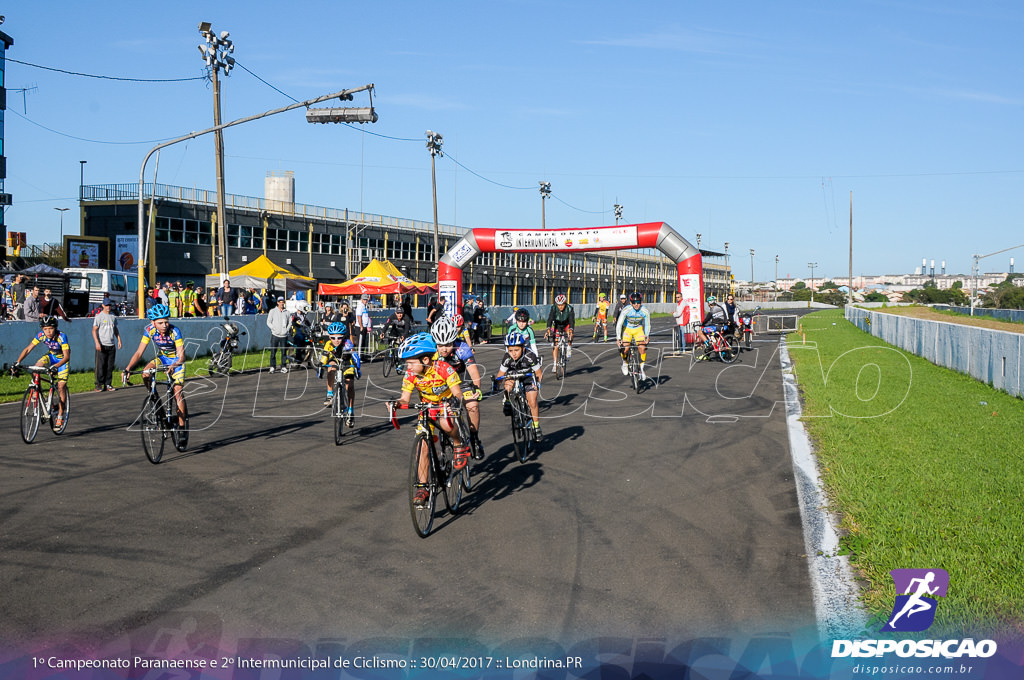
(438, 383)
(601, 316)
(170, 353)
(58, 354)
(339, 355)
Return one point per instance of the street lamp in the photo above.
(434, 142)
(62, 211)
(216, 54)
(615, 257)
(545, 193)
(81, 180)
(812, 265)
(728, 284)
(751, 273)
(775, 283)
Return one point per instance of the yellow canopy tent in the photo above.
(378, 278)
(263, 273)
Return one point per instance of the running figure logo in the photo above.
(914, 610)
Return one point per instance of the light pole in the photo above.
(81, 180)
(751, 274)
(615, 258)
(728, 283)
(545, 193)
(775, 283)
(434, 142)
(812, 265)
(216, 55)
(62, 211)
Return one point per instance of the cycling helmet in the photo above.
(560, 299)
(336, 328)
(522, 315)
(458, 320)
(45, 321)
(515, 339)
(160, 311)
(712, 299)
(601, 296)
(444, 331)
(634, 298)
(417, 345)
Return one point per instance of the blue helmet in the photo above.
(158, 311)
(336, 328)
(417, 345)
(515, 339)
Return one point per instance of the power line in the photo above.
(83, 139)
(91, 75)
(477, 174)
(590, 212)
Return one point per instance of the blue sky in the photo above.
(746, 122)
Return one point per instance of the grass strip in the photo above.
(924, 467)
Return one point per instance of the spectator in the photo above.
(434, 310)
(407, 306)
(174, 300)
(164, 293)
(348, 318)
(18, 297)
(188, 299)
(682, 315)
(363, 322)
(279, 322)
(200, 307)
(227, 298)
(50, 306)
(32, 305)
(108, 340)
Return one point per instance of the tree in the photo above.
(830, 284)
(875, 296)
(799, 285)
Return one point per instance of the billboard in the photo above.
(125, 250)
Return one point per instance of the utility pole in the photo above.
(751, 274)
(434, 142)
(775, 283)
(851, 247)
(545, 193)
(812, 265)
(216, 54)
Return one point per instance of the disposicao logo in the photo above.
(914, 610)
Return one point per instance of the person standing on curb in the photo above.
(108, 340)
(279, 322)
(682, 315)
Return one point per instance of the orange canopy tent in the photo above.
(378, 278)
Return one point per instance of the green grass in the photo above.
(12, 389)
(924, 473)
(978, 314)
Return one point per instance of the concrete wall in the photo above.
(199, 335)
(1015, 315)
(994, 357)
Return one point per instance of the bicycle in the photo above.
(718, 344)
(390, 354)
(35, 407)
(602, 325)
(339, 401)
(521, 419)
(562, 343)
(442, 479)
(159, 417)
(633, 364)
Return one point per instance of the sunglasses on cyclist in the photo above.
(337, 337)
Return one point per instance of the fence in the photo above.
(1014, 315)
(993, 357)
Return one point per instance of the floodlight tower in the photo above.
(216, 55)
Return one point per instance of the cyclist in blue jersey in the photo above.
(170, 353)
(340, 357)
(521, 322)
(634, 324)
(58, 354)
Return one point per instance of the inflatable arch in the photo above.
(658, 235)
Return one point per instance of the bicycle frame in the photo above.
(42, 407)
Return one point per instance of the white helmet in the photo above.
(444, 331)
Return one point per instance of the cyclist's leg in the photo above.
(531, 400)
(332, 368)
(350, 387)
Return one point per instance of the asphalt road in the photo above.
(671, 514)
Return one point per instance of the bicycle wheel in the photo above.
(338, 411)
(152, 426)
(31, 412)
(634, 367)
(727, 350)
(55, 411)
(179, 434)
(447, 475)
(422, 516)
(521, 435)
(389, 361)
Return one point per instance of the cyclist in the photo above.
(634, 324)
(170, 354)
(521, 321)
(396, 328)
(463, 328)
(338, 353)
(619, 306)
(519, 358)
(439, 384)
(561, 319)
(58, 354)
(601, 316)
(453, 350)
(716, 315)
